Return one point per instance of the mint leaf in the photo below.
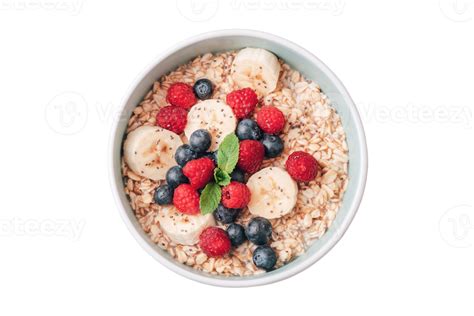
(228, 153)
(210, 198)
(222, 178)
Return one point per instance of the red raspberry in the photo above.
(172, 118)
(270, 120)
(302, 166)
(235, 195)
(251, 154)
(214, 242)
(242, 102)
(182, 95)
(186, 199)
(199, 172)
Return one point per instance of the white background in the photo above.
(66, 64)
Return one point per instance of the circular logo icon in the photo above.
(66, 113)
(456, 226)
(457, 10)
(197, 10)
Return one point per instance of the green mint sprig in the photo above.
(210, 198)
(221, 177)
(227, 157)
(228, 153)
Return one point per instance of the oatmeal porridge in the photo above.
(234, 163)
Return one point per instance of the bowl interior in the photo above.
(311, 68)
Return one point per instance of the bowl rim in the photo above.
(310, 260)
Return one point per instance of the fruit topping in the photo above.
(175, 177)
(214, 116)
(199, 172)
(163, 195)
(211, 155)
(214, 242)
(203, 89)
(237, 175)
(182, 95)
(248, 129)
(242, 102)
(149, 151)
(200, 140)
(259, 230)
(270, 120)
(236, 234)
(251, 153)
(184, 154)
(264, 258)
(186, 199)
(256, 68)
(235, 195)
(182, 228)
(302, 166)
(226, 215)
(274, 193)
(273, 145)
(172, 118)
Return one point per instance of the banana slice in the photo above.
(149, 151)
(182, 228)
(214, 116)
(273, 193)
(256, 68)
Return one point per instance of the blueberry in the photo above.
(200, 140)
(248, 129)
(203, 89)
(226, 215)
(273, 145)
(259, 230)
(238, 175)
(211, 155)
(183, 154)
(236, 234)
(164, 195)
(264, 257)
(175, 177)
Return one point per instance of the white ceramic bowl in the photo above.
(308, 65)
